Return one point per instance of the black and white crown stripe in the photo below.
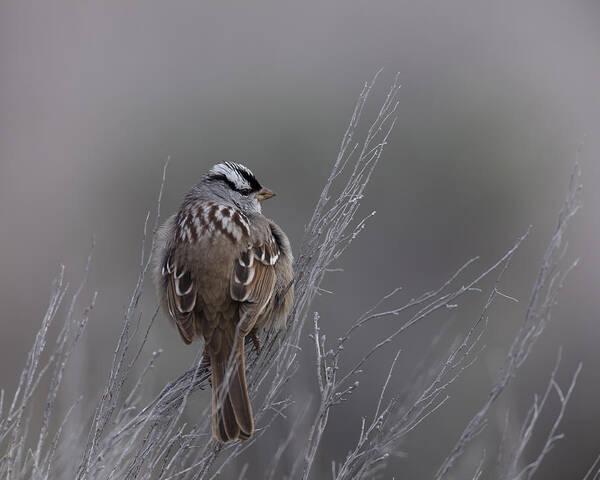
(238, 176)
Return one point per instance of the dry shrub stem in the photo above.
(132, 437)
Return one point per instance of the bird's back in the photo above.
(223, 271)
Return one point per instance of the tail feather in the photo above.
(232, 411)
(238, 394)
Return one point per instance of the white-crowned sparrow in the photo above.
(223, 271)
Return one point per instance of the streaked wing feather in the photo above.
(181, 299)
(253, 275)
(276, 312)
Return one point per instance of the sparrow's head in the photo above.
(236, 184)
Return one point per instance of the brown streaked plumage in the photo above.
(223, 271)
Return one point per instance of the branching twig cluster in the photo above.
(543, 298)
(131, 437)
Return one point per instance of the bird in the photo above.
(223, 271)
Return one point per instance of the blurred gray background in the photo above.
(499, 99)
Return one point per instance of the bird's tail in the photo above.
(231, 409)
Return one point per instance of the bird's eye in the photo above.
(245, 191)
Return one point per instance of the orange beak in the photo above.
(264, 194)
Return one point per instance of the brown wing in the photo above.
(181, 298)
(173, 283)
(253, 277)
(276, 312)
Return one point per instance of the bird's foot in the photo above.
(205, 365)
(255, 340)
